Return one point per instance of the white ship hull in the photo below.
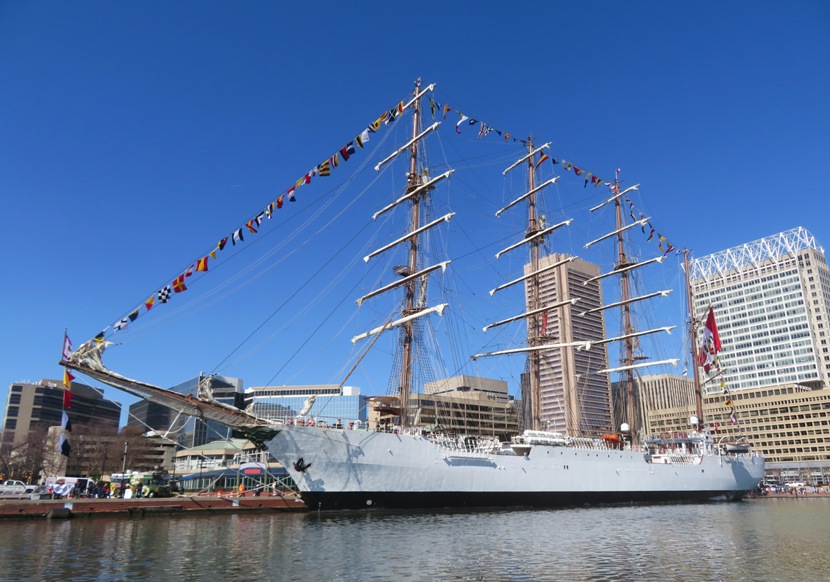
(354, 469)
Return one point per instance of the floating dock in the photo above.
(69, 508)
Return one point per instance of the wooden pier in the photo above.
(70, 508)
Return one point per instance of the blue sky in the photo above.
(135, 135)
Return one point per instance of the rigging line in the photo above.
(332, 284)
(140, 421)
(494, 157)
(251, 243)
(302, 210)
(482, 183)
(223, 289)
(335, 308)
(299, 289)
(296, 316)
(347, 325)
(229, 283)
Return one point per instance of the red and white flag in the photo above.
(709, 343)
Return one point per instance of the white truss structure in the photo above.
(754, 253)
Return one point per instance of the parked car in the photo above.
(13, 488)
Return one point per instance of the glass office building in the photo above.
(190, 431)
(770, 298)
(331, 404)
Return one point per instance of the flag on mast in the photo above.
(63, 446)
(67, 398)
(67, 347)
(710, 342)
(66, 425)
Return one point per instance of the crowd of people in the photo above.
(796, 489)
(101, 490)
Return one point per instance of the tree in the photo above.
(25, 461)
(35, 453)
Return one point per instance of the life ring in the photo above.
(309, 422)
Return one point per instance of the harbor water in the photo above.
(761, 539)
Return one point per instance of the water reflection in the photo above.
(757, 540)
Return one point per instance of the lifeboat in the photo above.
(613, 441)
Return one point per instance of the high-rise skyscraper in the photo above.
(39, 405)
(771, 299)
(573, 401)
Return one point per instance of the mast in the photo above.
(537, 341)
(692, 339)
(628, 358)
(413, 277)
(534, 336)
(623, 266)
(410, 289)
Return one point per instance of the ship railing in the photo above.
(474, 445)
(685, 458)
(587, 443)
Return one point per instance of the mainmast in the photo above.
(535, 234)
(692, 339)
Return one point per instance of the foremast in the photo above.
(414, 181)
(414, 277)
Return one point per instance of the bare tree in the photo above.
(6, 453)
(35, 453)
(25, 461)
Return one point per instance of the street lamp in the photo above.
(201, 464)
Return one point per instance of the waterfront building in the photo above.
(461, 403)
(155, 453)
(771, 299)
(661, 397)
(224, 465)
(213, 455)
(39, 405)
(789, 423)
(572, 400)
(332, 403)
(146, 416)
(464, 404)
(491, 389)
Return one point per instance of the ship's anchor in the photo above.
(300, 465)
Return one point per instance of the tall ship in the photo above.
(408, 461)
